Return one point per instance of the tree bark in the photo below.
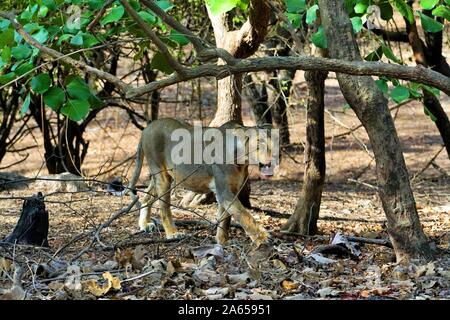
(430, 55)
(259, 100)
(304, 219)
(240, 43)
(371, 108)
(32, 227)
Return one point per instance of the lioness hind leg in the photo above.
(163, 182)
(254, 230)
(145, 222)
(223, 228)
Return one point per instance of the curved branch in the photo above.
(358, 68)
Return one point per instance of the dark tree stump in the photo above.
(32, 227)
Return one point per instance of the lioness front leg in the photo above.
(163, 182)
(254, 230)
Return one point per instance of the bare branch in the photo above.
(155, 39)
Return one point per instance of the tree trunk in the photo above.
(430, 55)
(240, 43)
(259, 101)
(282, 85)
(32, 227)
(371, 108)
(304, 219)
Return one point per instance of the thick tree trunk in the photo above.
(304, 219)
(240, 43)
(371, 108)
(229, 100)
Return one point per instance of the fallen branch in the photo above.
(382, 242)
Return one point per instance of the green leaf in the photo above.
(6, 78)
(148, 17)
(428, 4)
(389, 54)
(114, 15)
(96, 4)
(295, 6)
(386, 11)
(357, 24)
(375, 55)
(49, 4)
(75, 110)
(6, 54)
(21, 52)
(361, 7)
(429, 113)
(295, 19)
(54, 98)
(164, 4)
(41, 36)
(26, 105)
(178, 37)
(77, 40)
(160, 63)
(218, 7)
(41, 83)
(382, 85)
(64, 38)
(6, 38)
(319, 38)
(78, 89)
(404, 9)
(43, 10)
(95, 102)
(23, 68)
(442, 11)
(429, 24)
(399, 94)
(349, 5)
(89, 40)
(311, 14)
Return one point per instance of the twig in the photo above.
(429, 163)
(364, 184)
(13, 164)
(99, 15)
(153, 37)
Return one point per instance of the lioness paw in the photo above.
(176, 235)
(149, 227)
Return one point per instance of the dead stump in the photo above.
(32, 227)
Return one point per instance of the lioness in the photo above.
(159, 147)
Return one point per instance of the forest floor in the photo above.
(146, 266)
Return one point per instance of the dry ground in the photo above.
(350, 206)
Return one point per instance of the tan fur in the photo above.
(225, 180)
